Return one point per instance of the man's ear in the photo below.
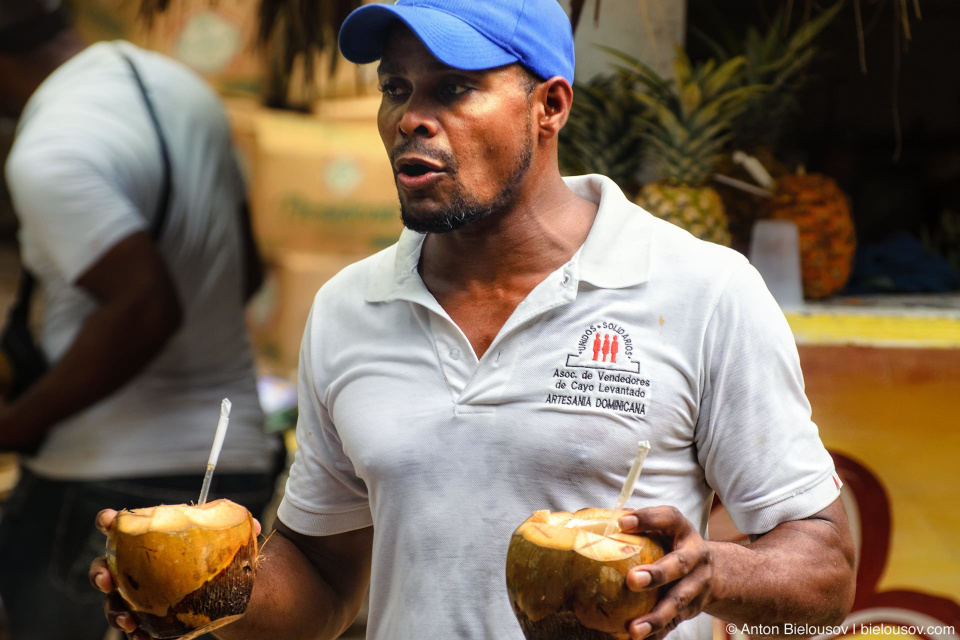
(555, 97)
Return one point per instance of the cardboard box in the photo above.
(278, 313)
(322, 183)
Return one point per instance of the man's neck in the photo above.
(480, 274)
(33, 68)
(541, 231)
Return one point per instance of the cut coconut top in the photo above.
(583, 532)
(592, 526)
(617, 547)
(219, 514)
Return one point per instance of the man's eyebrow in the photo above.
(387, 67)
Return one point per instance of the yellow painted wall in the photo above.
(897, 412)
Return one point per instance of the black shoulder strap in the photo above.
(21, 306)
(20, 311)
(162, 207)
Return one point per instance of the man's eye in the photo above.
(453, 89)
(389, 89)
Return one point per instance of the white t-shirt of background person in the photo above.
(645, 334)
(85, 172)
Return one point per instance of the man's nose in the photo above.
(418, 120)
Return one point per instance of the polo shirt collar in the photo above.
(615, 255)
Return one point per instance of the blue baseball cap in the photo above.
(470, 34)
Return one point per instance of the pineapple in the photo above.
(780, 60)
(602, 133)
(777, 59)
(827, 239)
(687, 124)
(699, 210)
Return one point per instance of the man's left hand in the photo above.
(686, 572)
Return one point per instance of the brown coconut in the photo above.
(567, 580)
(184, 570)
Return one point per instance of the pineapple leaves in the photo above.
(603, 132)
(708, 67)
(718, 51)
(690, 99)
(667, 122)
(778, 55)
(806, 34)
(687, 122)
(724, 75)
(639, 72)
(681, 67)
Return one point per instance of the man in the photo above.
(145, 335)
(473, 390)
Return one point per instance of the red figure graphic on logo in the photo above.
(613, 350)
(606, 346)
(596, 347)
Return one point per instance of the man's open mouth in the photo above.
(415, 170)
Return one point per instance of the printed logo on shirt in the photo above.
(602, 374)
(605, 345)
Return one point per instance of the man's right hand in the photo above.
(307, 586)
(118, 615)
(117, 612)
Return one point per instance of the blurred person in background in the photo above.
(143, 325)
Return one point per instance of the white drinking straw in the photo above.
(215, 450)
(643, 448)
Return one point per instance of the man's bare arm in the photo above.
(800, 572)
(306, 586)
(137, 312)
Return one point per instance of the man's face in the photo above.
(460, 141)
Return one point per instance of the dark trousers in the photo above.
(48, 540)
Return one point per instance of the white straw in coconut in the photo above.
(215, 450)
(643, 448)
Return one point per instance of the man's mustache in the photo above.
(419, 147)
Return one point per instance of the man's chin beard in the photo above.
(462, 211)
(456, 215)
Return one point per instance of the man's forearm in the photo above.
(117, 341)
(801, 572)
(290, 600)
(137, 312)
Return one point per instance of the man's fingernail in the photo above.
(641, 630)
(125, 621)
(629, 522)
(640, 579)
(100, 581)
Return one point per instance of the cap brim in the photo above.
(450, 40)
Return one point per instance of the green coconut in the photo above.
(566, 579)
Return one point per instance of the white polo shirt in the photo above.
(645, 334)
